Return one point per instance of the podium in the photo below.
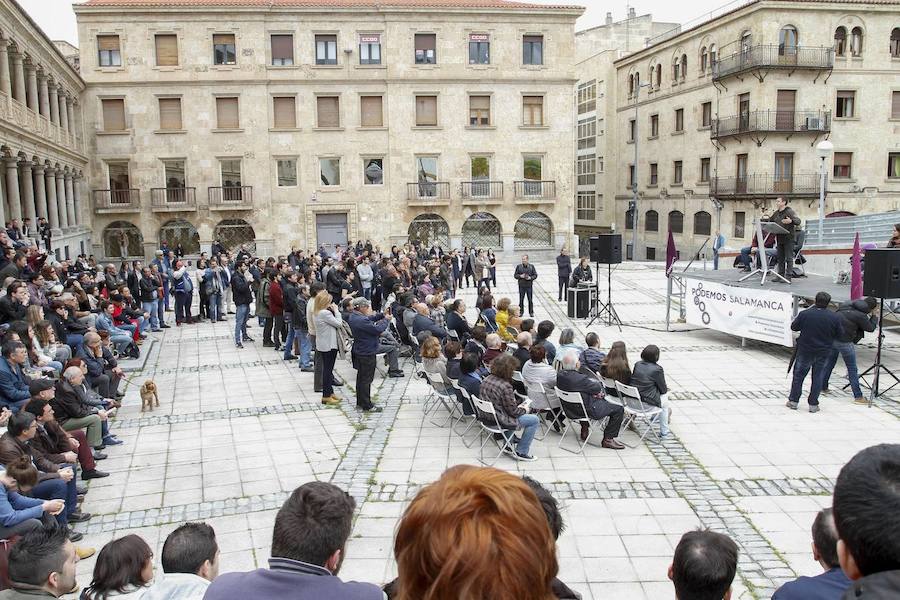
(581, 299)
(763, 227)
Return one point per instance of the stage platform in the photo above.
(801, 287)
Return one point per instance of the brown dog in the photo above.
(148, 395)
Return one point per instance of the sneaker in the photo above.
(112, 441)
(99, 455)
(239, 345)
(861, 401)
(372, 409)
(525, 457)
(307, 369)
(397, 373)
(93, 474)
(291, 357)
(792, 405)
(813, 408)
(247, 338)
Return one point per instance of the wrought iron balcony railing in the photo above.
(764, 185)
(237, 197)
(122, 200)
(428, 191)
(535, 190)
(772, 121)
(169, 198)
(773, 56)
(482, 190)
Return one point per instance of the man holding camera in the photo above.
(367, 327)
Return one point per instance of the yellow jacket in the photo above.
(502, 320)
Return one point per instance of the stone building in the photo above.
(726, 116)
(298, 124)
(42, 146)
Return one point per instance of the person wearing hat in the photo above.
(367, 327)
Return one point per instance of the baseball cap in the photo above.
(360, 303)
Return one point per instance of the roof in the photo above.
(329, 4)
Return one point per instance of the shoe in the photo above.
(120, 395)
(825, 391)
(331, 401)
(99, 455)
(84, 552)
(79, 498)
(230, 312)
(585, 431)
(112, 441)
(142, 336)
(792, 405)
(81, 490)
(396, 374)
(239, 345)
(372, 409)
(862, 401)
(164, 326)
(525, 457)
(268, 345)
(813, 408)
(337, 383)
(291, 357)
(74, 536)
(307, 369)
(222, 319)
(247, 338)
(79, 517)
(100, 447)
(93, 474)
(278, 347)
(612, 444)
(155, 330)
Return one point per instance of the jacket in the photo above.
(51, 442)
(311, 317)
(591, 358)
(541, 372)
(423, 323)
(479, 265)
(12, 449)
(262, 299)
(525, 275)
(95, 364)
(105, 323)
(327, 326)
(367, 330)
(298, 317)
(276, 299)
(67, 404)
(178, 586)
(785, 213)
(13, 386)
(829, 585)
(650, 381)
(499, 392)
(818, 328)
(563, 266)
(148, 289)
(10, 310)
(365, 275)
(523, 356)
(15, 508)
(856, 320)
(459, 325)
(182, 281)
(240, 290)
(581, 274)
(877, 586)
(575, 381)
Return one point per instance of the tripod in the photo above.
(606, 308)
(877, 367)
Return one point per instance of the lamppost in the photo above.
(824, 150)
(634, 202)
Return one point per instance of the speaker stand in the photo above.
(607, 308)
(877, 367)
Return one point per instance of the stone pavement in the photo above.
(237, 430)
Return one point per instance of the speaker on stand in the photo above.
(881, 279)
(606, 248)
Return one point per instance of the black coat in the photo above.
(147, 287)
(564, 265)
(856, 320)
(11, 311)
(522, 271)
(877, 586)
(241, 291)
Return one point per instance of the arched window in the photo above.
(658, 76)
(631, 85)
(181, 232)
(856, 41)
(629, 219)
(651, 221)
(533, 230)
(704, 57)
(683, 67)
(712, 55)
(122, 239)
(676, 221)
(430, 229)
(676, 70)
(788, 39)
(840, 41)
(702, 223)
(481, 230)
(895, 42)
(234, 233)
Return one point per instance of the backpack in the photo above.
(131, 351)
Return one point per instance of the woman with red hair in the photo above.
(477, 533)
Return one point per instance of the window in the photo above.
(893, 165)
(479, 111)
(787, 41)
(683, 67)
(587, 96)
(230, 169)
(895, 105)
(842, 164)
(224, 49)
(326, 49)
(287, 172)
(370, 111)
(599, 164)
(330, 171)
(740, 219)
(426, 44)
(677, 172)
(632, 129)
(533, 111)
(712, 55)
(533, 50)
(654, 126)
(676, 221)
(706, 114)
(702, 223)
(651, 253)
(895, 42)
(370, 49)
(586, 206)
(631, 86)
(587, 133)
(166, 50)
(679, 120)
(704, 170)
(532, 167)
(856, 41)
(175, 178)
(118, 176)
(285, 112)
(282, 50)
(426, 111)
(632, 181)
(227, 114)
(629, 218)
(170, 114)
(651, 221)
(654, 173)
(328, 112)
(845, 102)
(108, 52)
(658, 76)
(373, 171)
(480, 172)
(676, 71)
(704, 60)
(113, 114)
(840, 41)
(479, 49)
(426, 175)
(586, 169)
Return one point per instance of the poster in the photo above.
(758, 314)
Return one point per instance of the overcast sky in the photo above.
(57, 19)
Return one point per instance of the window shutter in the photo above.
(371, 111)
(107, 42)
(895, 105)
(425, 41)
(327, 108)
(533, 108)
(842, 159)
(227, 111)
(223, 38)
(533, 39)
(426, 110)
(480, 102)
(170, 113)
(113, 115)
(285, 112)
(283, 47)
(167, 50)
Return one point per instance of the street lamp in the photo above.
(823, 150)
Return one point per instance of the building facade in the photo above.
(42, 145)
(298, 125)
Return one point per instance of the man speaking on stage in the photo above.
(785, 216)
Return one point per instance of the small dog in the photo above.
(148, 395)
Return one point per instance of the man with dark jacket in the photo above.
(336, 282)
(66, 328)
(819, 328)
(570, 379)
(367, 328)
(832, 583)
(72, 413)
(858, 317)
(13, 386)
(14, 304)
(422, 322)
(149, 297)
(563, 272)
(525, 274)
(301, 327)
(242, 294)
(785, 216)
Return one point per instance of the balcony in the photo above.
(534, 192)
(772, 121)
(481, 192)
(802, 185)
(173, 199)
(117, 201)
(19, 114)
(428, 193)
(773, 56)
(235, 197)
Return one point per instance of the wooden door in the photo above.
(785, 105)
(784, 172)
(741, 174)
(744, 111)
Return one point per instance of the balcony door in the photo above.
(532, 173)
(740, 171)
(744, 112)
(231, 180)
(784, 172)
(480, 169)
(175, 181)
(785, 105)
(427, 175)
(119, 183)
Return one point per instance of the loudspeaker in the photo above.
(606, 248)
(881, 277)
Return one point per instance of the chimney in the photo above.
(631, 13)
(609, 18)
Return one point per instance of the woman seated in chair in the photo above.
(515, 319)
(433, 361)
(497, 389)
(615, 366)
(567, 342)
(488, 313)
(650, 380)
(536, 370)
(502, 319)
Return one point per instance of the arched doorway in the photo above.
(179, 231)
(481, 230)
(232, 233)
(122, 239)
(534, 230)
(430, 229)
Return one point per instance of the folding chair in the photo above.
(487, 413)
(453, 335)
(512, 331)
(799, 259)
(636, 410)
(461, 391)
(573, 405)
(539, 395)
(610, 384)
(441, 395)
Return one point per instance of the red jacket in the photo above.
(276, 299)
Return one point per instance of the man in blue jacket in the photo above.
(819, 328)
(367, 328)
(829, 585)
(13, 387)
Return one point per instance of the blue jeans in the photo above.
(242, 313)
(214, 311)
(848, 351)
(150, 307)
(289, 341)
(129, 327)
(529, 424)
(57, 489)
(802, 365)
(166, 293)
(305, 348)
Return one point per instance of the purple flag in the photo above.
(671, 254)
(856, 284)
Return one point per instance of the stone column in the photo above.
(54, 105)
(52, 208)
(28, 191)
(70, 112)
(61, 199)
(5, 81)
(63, 113)
(12, 188)
(31, 74)
(70, 200)
(19, 77)
(76, 188)
(43, 95)
(40, 191)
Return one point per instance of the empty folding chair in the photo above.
(491, 426)
(636, 410)
(463, 394)
(547, 406)
(573, 407)
(442, 396)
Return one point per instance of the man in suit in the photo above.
(785, 216)
(525, 274)
(570, 379)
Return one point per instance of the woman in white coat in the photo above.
(328, 325)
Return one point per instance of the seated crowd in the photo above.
(513, 523)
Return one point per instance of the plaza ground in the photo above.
(238, 430)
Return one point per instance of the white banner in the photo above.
(758, 314)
